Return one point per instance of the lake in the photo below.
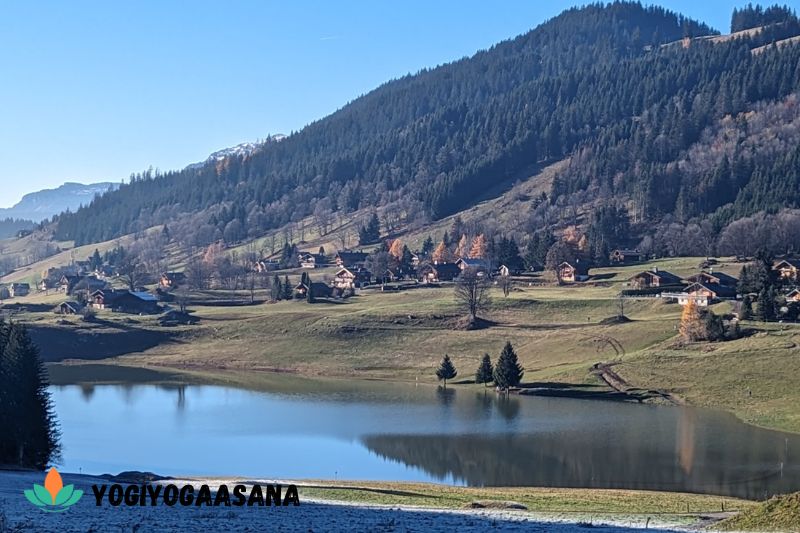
(296, 428)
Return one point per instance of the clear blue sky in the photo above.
(94, 90)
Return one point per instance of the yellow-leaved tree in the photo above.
(479, 247)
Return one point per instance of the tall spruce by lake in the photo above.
(30, 436)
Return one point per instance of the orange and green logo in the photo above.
(54, 497)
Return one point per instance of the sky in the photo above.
(95, 90)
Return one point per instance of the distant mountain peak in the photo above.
(40, 205)
(245, 148)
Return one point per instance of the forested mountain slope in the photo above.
(593, 84)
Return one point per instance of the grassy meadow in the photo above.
(558, 333)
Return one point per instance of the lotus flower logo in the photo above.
(54, 497)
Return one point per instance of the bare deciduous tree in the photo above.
(472, 292)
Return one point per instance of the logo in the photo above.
(54, 497)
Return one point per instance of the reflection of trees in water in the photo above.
(87, 391)
(603, 461)
(685, 439)
(508, 407)
(445, 396)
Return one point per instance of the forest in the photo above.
(627, 93)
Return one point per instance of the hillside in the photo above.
(591, 84)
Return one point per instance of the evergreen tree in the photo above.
(765, 310)
(30, 431)
(371, 233)
(276, 290)
(427, 247)
(485, 372)
(287, 289)
(746, 312)
(310, 292)
(95, 261)
(507, 371)
(446, 370)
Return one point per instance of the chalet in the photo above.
(390, 275)
(623, 256)
(468, 262)
(318, 290)
(415, 260)
(347, 278)
(436, 272)
(45, 285)
(265, 265)
(125, 301)
(67, 282)
(172, 280)
(309, 260)
(104, 272)
(86, 286)
(714, 278)
(569, 273)
(70, 307)
(655, 278)
(787, 269)
(793, 296)
(350, 259)
(18, 289)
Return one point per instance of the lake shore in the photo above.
(328, 505)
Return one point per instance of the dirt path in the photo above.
(606, 373)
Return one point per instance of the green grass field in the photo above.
(557, 332)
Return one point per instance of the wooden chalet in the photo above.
(265, 265)
(171, 280)
(714, 278)
(622, 256)
(87, 285)
(415, 260)
(70, 307)
(318, 290)
(437, 272)
(67, 282)
(787, 269)
(18, 289)
(655, 278)
(570, 273)
(479, 265)
(347, 259)
(309, 260)
(354, 278)
(125, 301)
(793, 296)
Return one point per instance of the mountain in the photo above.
(41, 205)
(240, 150)
(620, 92)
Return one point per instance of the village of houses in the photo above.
(85, 291)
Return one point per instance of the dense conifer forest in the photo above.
(625, 92)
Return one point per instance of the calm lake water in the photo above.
(378, 431)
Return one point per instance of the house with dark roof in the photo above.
(351, 278)
(134, 302)
(572, 272)
(309, 260)
(437, 272)
(479, 265)
(350, 259)
(317, 288)
(70, 307)
(655, 278)
(18, 289)
(172, 280)
(714, 278)
(793, 295)
(788, 269)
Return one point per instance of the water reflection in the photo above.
(420, 433)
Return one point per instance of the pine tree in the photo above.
(485, 372)
(746, 312)
(765, 311)
(446, 370)
(287, 289)
(30, 431)
(507, 371)
(310, 290)
(427, 246)
(276, 290)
